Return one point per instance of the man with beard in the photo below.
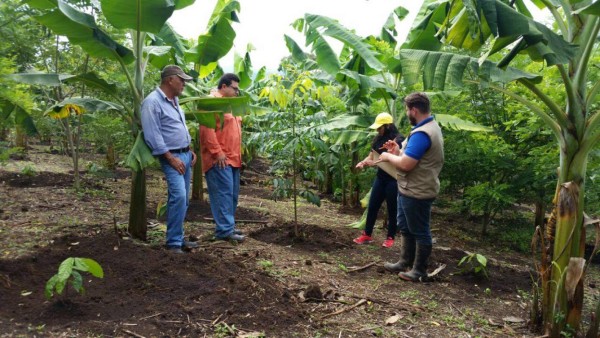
(419, 165)
(165, 132)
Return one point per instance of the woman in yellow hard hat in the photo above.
(384, 187)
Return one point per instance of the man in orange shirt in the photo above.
(221, 163)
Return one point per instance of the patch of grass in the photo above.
(294, 273)
(269, 268)
(432, 305)
(516, 236)
(265, 264)
(323, 255)
(156, 235)
(407, 294)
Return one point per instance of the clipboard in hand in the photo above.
(385, 166)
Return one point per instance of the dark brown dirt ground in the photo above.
(256, 288)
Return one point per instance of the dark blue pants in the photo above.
(382, 190)
(413, 218)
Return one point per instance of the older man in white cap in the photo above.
(165, 132)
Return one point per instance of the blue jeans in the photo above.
(223, 189)
(178, 197)
(413, 218)
(383, 189)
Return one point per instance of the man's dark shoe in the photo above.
(189, 245)
(233, 237)
(175, 249)
(407, 256)
(237, 232)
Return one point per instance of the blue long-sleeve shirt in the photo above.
(163, 122)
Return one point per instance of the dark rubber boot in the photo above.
(419, 270)
(407, 256)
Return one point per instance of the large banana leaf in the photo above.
(321, 25)
(217, 42)
(22, 118)
(297, 52)
(139, 15)
(204, 109)
(140, 156)
(168, 37)
(90, 105)
(436, 69)
(593, 9)
(346, 121)
(41, 79)
(388, 31)
(423, 33)
(348, 137)
(242, 66)
(94, 81)
(455, 123)
(81, 29)
(366, 83)
(235, 105)
(469, 24)
(159, 56)
(41, 4)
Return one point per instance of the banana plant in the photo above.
(69, 113)
(137, 19)
(366, 70)
(153, 42)
(495, 27)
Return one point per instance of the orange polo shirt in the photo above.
(226, 141)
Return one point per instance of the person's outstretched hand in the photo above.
(365, 163)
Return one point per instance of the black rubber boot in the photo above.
(407, 256)
(419, 270)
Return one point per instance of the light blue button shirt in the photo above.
(163, 122)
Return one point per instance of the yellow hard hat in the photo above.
(381, 119)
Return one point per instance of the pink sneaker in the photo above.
(388, 242)
(363, 239)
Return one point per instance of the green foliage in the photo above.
(6, 151)
(514, 236)
(68, 271)
(475, 264)
(222, 330)
(487, 198)
(265, 264)
(29, 170)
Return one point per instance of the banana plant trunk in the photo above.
(563, 291)
(137, 206)
(197, 180)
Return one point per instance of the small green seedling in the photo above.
(29, 170)
(477, 266)
(68, 271)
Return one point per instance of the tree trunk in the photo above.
(569, 242)
(111, 157)
(20, 138)
(137, 206)
(485, 222)
(328, 181)
(354, 186)
(197, 180)
(3, 133)
(540, 213)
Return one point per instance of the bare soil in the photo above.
(275, 284)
